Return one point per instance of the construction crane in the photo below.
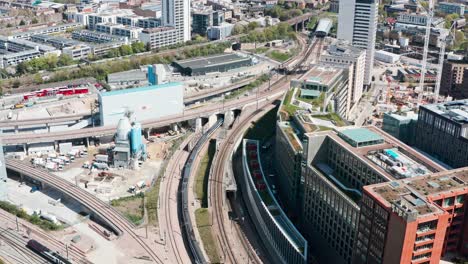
(430, 14)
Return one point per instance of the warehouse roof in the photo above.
(141, 89)
(211, 60)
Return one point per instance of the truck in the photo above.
(141, 184)
(100, 166)
(51, 166)
(10, 115)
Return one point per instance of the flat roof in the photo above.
(416, 194)
(141, 89)
(456, 111)
(360, 135)
(323, 75)
(391, 158)
(211, 60)
(309, 92)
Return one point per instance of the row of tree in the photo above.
(101, 70)
(280, 31)
(47, 62)
(125, 50)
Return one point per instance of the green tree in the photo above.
(64, 60)
(126, 50)
(138, 47)
(252, 25)
(449, 20)
(238, 29)
(22, 23)
(34, 21)
(9, 25)
(37, 78)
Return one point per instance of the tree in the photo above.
(449, 20)
(138, 47)
(125, 50)
(252, 25)
(22, 23)
(64, 60)
(238, 29)
(16, 83)
(37, 78)
(9, 25)
(34, 21)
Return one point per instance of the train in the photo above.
(64, 90)
(46, 253)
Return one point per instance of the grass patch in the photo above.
(287, 107)
(279, 56)
(132, 207)
(248, 87)
(152, 195)
(201, 179)
(33, 219)
(324, 128)
(331, 117)
(202, 217)
(264, 128)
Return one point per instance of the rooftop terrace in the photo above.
(411, 196)
(322, 75)
(384, 153)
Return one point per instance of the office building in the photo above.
(401, 125)
(442, 131)
(96, 37)
(413, 19)
(416, 220)
(336, 166)
(327, 81)
(220, 32)
(357, 23)
(451, 8)
(454, 81)
(201, 21)
(342, 54)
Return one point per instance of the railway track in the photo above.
(114, 219)
(75, 253)
(217, 188)
(18, 244)
(181, 155)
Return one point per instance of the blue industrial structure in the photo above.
(152, 77)
(323, 28)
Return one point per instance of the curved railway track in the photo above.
(217, 188)
(168, 216)
(114, 219)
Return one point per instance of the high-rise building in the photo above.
(442, 131)
(454, 80)
(175, 25)
(357, 23)
(342, 54)
(416, 220)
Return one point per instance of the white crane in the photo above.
(430, 14)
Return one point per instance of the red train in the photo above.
(65, 91)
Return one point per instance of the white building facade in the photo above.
(357, 23)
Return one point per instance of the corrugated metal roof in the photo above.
(141, 89)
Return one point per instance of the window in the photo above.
(460, 199)
(448, 201)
